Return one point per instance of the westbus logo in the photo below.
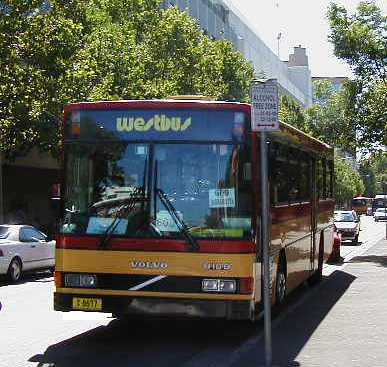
(157, 122)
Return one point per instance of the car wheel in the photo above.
(15, 270)
(280, 283)
(356, 240)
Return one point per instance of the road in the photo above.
(32, 334)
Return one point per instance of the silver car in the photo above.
(380, 214)
(348, 225)
(24, 248)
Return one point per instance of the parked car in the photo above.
(348, 225)
(380, 214)
(24, 248)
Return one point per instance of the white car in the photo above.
(24, 248)
(348, 225)
(380, 214)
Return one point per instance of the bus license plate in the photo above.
(89, 304)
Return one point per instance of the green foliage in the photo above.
(35, 50)
(361, 40)
(292, 113)
(102, 50)
(348, 183)
(327, 119)
(374, 172)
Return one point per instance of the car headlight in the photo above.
(80, 280)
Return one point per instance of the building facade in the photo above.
(221, 19)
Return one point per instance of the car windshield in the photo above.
(344, 217)
(4, 232)
(208, 186)
(381, 210)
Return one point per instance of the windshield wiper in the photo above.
(128, 205)
(193, 245)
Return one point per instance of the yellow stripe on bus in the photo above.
(108, 292)
(160, 263)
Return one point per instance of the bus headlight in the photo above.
(81, 280)
(219, 285)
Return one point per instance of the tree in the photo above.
(292, 113)
(373, 169)
(326, 119)
(35, 45)
(348, 183)
(361, 40)
(102, 50)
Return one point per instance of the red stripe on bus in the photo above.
(131, 244)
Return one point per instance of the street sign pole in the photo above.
(265, 251)
(384, 200)
(264, 118)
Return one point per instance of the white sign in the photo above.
(165, 222)
(222, 198)
(99, 225)
(264, 106)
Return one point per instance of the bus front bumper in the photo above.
(161, 307)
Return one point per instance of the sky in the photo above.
(300, 22)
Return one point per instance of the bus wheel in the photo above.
(280, 283)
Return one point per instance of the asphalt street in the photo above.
(32, 334)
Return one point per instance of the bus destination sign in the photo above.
(264, 106)
(158, 124)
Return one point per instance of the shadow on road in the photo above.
(39, 277)
(379, 260)
(139, 343)
(162, 343)
(295, 328)
(350, 244)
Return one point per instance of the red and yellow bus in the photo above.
(161, 209)
(360, 204)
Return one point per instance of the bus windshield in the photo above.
(207, 185)
(359, 202)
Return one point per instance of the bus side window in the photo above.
(324, 166)
(294, 176)
(279, 191)
(305, 178)
(320, 179)
(329, 179)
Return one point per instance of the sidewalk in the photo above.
(342, 323)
